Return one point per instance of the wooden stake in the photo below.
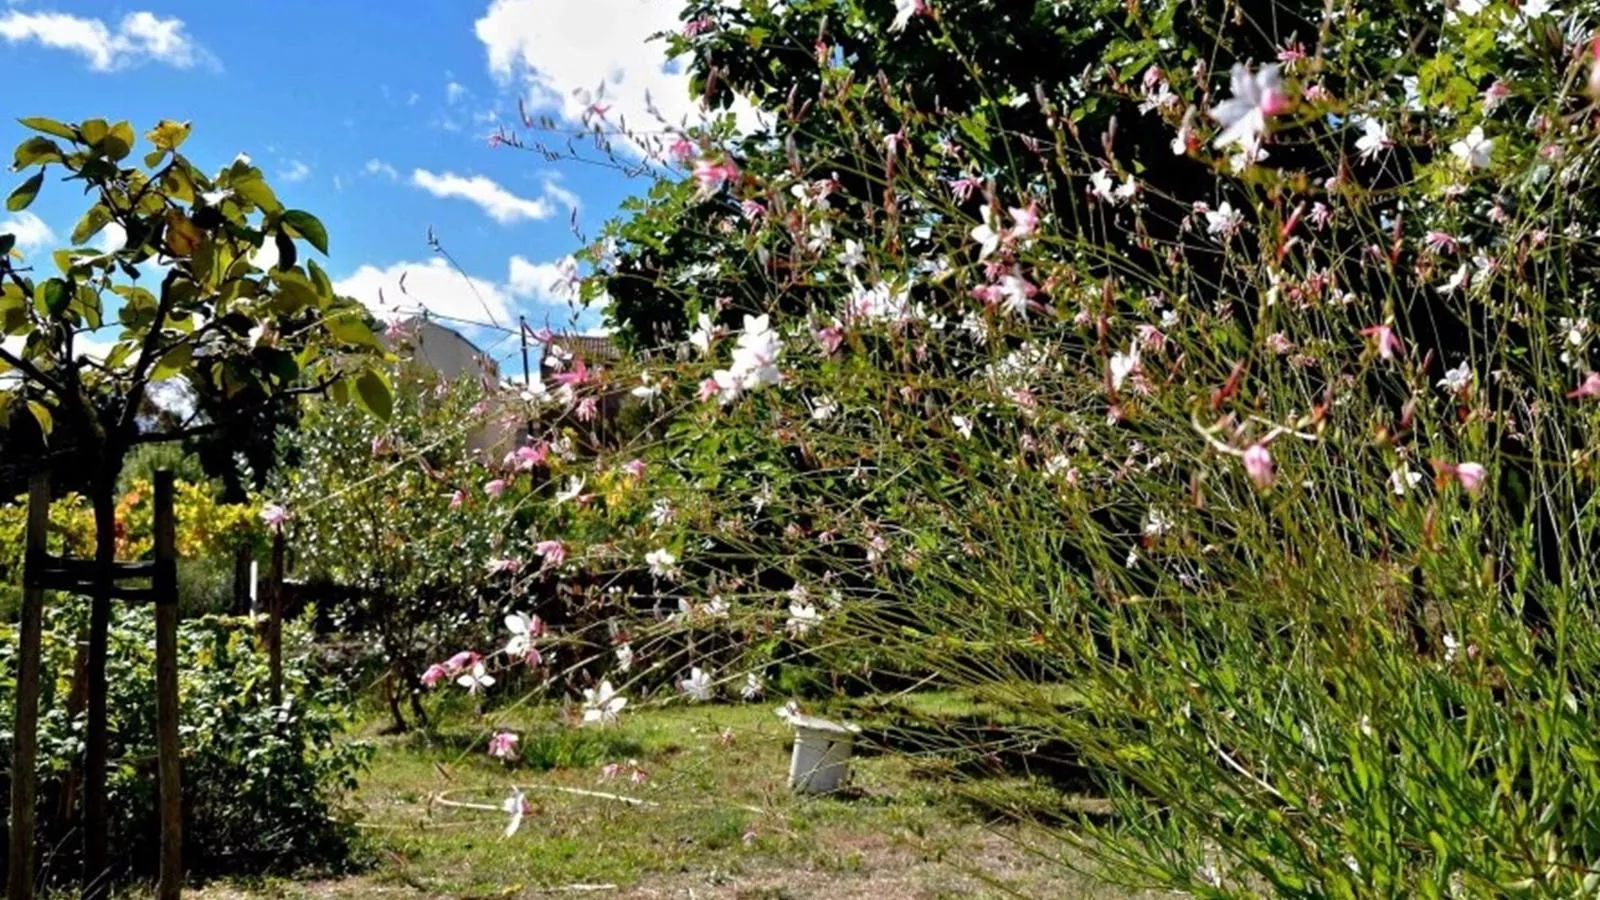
(275, 602)
(25, 752)
(169, 752)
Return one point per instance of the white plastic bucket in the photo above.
(821, 759)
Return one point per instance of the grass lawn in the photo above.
(715, 820)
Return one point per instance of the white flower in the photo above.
(476, 679)
(1403, 479)
(715, 608)
(802, 618)
(1374, 140)
(1100, 184)
(985, 234)
(703, 335)
(1123, 365)
(755, 359)
(661, 562)
(515, 805)
(1014, 295)
(698, 685)
(1156, 523)
(789, 711)
(753, 686)
(852, 255)
(823, 408)
(1451, 645)
(572, 491)
(624, 657)
(1244, 115)
(963, 425)
(1224, 220)
(904, 10)
(1456, 380)
(1533, 9)
(1457, 281)
(1475, 150)
(523, 628)
(660, 512)
(602, 704)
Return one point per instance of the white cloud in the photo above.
(433, 285)
(296, 172)
(454, 91)
(379, 167)
(501, 205)
(140, 37)
(574, 54)
(547, 281)
(31, 232)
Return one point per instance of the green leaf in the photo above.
(349, 326)
(41, 414)
(375, 394)
(250, 186)
(8, 242)
(97, 218)
(22, 197)
(50, 127)
(305, 225)
(117, 143)
(168, 135)
(94, 131)
(320, 280)
(173, 361)
(52, 296)
(37, 151)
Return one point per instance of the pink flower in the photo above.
(1152, 338)
(458, 498)
(713, 175)
(682, 149)
(831, 339)
(962, 188)
(1258, 465)
(905, 9)
(695, 28)
(380, 445)
(460, 662)
(435, 674)
(554, 552)
(524, 459)
(495, 488)
(1594, 68)
(274, 516)
(588, 409)
(1440, 242)
(1026, 219)
(1589, 388)
(709, 389)
(752, 210)
(503, 745)
(577, 376)
(634, 467)
(1470, 474)
(1388, 344)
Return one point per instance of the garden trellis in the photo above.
(44, 572)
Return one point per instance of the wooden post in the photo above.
(169, 752)
(25, 752)
(275, 602)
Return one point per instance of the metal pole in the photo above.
(527, 381)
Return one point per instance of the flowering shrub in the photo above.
(1226, 367)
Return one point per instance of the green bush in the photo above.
(262, 784)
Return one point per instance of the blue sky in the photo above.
(375, 116)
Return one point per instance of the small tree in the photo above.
(239, 336)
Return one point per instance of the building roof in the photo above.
(588, 346)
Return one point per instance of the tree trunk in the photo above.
(399, 726)
(95, 824)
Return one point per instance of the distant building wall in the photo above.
(453, 357)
